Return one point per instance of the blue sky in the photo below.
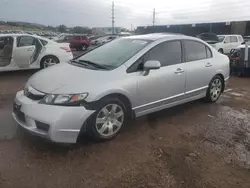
(96, 13)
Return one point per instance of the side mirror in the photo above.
(150, 65)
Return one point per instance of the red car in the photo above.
(79, 42)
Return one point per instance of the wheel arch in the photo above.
(125, 100)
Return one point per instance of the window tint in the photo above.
(227, 40)
(233, 39)
(25, 41)
(194, 51)
(209, 53)
(43, 42)
(167, 53)
(84, 37)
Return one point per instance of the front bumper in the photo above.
(65, 122)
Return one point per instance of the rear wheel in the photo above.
(108, 120)
(221, 51)
(215, 89)
(84, 47)
(49, 61)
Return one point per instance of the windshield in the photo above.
(115, 53)
(221, 38)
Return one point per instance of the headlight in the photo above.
(63, 99)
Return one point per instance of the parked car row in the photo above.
(222, 43)
(82, 42)
(97, 92)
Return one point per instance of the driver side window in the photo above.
(167, 53)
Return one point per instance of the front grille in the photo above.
(19, 114)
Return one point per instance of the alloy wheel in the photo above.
(216, 88)
(49, 62)
(109, 120)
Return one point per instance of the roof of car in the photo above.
(17, 35)
(157, 36)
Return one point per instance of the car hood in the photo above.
(65, 78)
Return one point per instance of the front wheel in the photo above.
(108, 120)
(215, 89)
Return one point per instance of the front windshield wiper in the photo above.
(93, 64)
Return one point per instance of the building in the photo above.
(234, 27)
(105, 30)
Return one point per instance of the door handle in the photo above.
(179, 71)
(208, 65)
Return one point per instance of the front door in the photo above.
(24, 51)
(165, 85)
(199, 67)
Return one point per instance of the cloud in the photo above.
(95, 13)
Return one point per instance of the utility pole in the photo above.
(113, 18)
(154, 17)
(131, 27)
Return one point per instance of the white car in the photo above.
(23, 51)
(228, 42)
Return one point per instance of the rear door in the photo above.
(165, 85)
(199, 67)
(24, 51)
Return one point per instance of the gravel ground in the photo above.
(190, 146)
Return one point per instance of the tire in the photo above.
(84, 47)
(215, 89)
(107, 128)
(221, 51)
(48, 61)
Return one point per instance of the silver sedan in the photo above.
(128, 77)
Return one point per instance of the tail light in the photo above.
(67, 49)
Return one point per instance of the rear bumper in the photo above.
(64, 123)
(66, 57)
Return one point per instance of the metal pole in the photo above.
(154, 17)
(113, 18)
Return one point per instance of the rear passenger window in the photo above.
(194, 51)
(167, 53)
(25, 41)
(209, 53)
(233, 39)
(43, 42)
